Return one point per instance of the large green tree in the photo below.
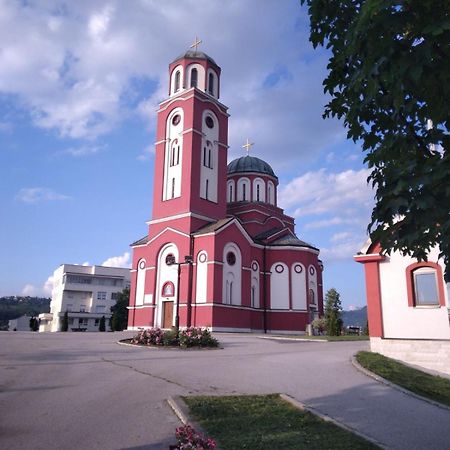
(333, 309)
(389, 79)
(119, 318)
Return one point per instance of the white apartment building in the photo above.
(86, 293)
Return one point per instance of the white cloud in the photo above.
(83, 150)
(74, 70)
(39, 194)
(6, 127)
(343, 250)
(118, 261)
(48, 286)
(315, 193)
(29, 290)
(147, 153)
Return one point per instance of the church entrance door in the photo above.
(167, 314)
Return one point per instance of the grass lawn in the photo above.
(421, 383)
(267, 422)
(347, 337)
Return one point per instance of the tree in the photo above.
(389, 79)
(119, 318)
(333, 310)
(102, 324)
(65, 322)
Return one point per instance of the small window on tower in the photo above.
(176, 119)
(173, 187)
(244, 186)
(177, 81)
(194, 77)
(204, 156)
(209, 122)
(257, 193)
(211, 84)
(206, 189)
(209, 159)
(231, 193)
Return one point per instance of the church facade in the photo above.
(219, 252)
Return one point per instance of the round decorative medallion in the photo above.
(209, 122)
(231, 258)
(176, 119)
(279, 268)
(298, 268)
(311, 270)
(202, 257)
(254, 267)
(142, 264)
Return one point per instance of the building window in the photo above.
(211, 84)
(231, 258)
(114, 295)
(244, 188)
(194, 77)
(168, 289)
(177, 81)
(69, 307)
(82, 308)
(206, 189)
(83, 322)
(96, 323)
(204, 156)
(173, 188)
(257, 192)
(101, 295)
(209, 159)
(425, 287)
(100, 309)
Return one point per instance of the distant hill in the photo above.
(357, 317)
(16, 306)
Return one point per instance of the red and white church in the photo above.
(219, 252)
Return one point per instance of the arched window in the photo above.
(425, 285)
(211, 83)
(194, 77)
(244, 189)
(177, 81)
(206, 189)
(204, 156)
(230, 199)
(257, 193)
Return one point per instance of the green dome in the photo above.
(250, 164)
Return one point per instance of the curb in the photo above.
(395, 386)
(182, 412)
(280, 338)
(324, 417)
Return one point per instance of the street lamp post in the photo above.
(170, 262)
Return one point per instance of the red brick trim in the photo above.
(410, 281)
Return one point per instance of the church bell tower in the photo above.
(191, 144)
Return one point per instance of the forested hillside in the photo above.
(15, 306)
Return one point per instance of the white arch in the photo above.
(298, 282)
(279, 286)
(215, 88)
(173, 155)
(209, 156)
(271, 193)
(202, 277)
(165, 273)
(254, 294)
(259, 190)
(200, 76)
(179, 69)
(140, 282)
(230, 191)
(312, 286)
(231, 287)
(243, 190)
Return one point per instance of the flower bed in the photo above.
(186, 338)
(189, 439)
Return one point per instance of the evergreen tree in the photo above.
(333, 310)
(119, 319)
(65, 322)
(102, 324)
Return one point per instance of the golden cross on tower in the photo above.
(196, 43)
(247, 145)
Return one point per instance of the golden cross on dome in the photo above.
(247, 145)
(196, 43)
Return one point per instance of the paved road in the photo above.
(83, 391)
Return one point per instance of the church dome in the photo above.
(250, 164)
(193, 54)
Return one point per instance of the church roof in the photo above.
(250, 164)
(293, 241)
(192, 54)
(214, 226)
(141, 241)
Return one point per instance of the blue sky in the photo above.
(79, 87)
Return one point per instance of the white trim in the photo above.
(193, 130)
(289, 247)
(167, 229)
(163, 141)
(141, 306)
(225, 305)
(191, 92)
(232, 330)
(180, 216)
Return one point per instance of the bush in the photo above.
(189, 439)
(190, 337)
(319, 326)
(197, 337)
